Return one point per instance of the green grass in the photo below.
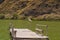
(53, 29)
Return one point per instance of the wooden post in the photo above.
(39, 29)
(10, 30)
(47, 30)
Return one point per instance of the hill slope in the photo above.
(33, 8)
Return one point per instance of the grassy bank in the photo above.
(53, 29)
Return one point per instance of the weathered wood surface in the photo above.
(26, 34)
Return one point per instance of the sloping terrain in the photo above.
(33, 8)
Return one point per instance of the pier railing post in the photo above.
(39, 29)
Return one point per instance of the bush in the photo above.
(8, 16)
(53, 17)
(15, 16)
(21, 17)
(2, 16)
(48, 17)
(38, 18)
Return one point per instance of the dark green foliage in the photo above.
(15, 16)
(2, 16)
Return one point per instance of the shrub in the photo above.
(38, 18)
(52, 17)
(56, 17)
(2, 16)
(48, 17)
(8, 16)
(15, 16)
(21, 17)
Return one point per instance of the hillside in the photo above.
(31, 8)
